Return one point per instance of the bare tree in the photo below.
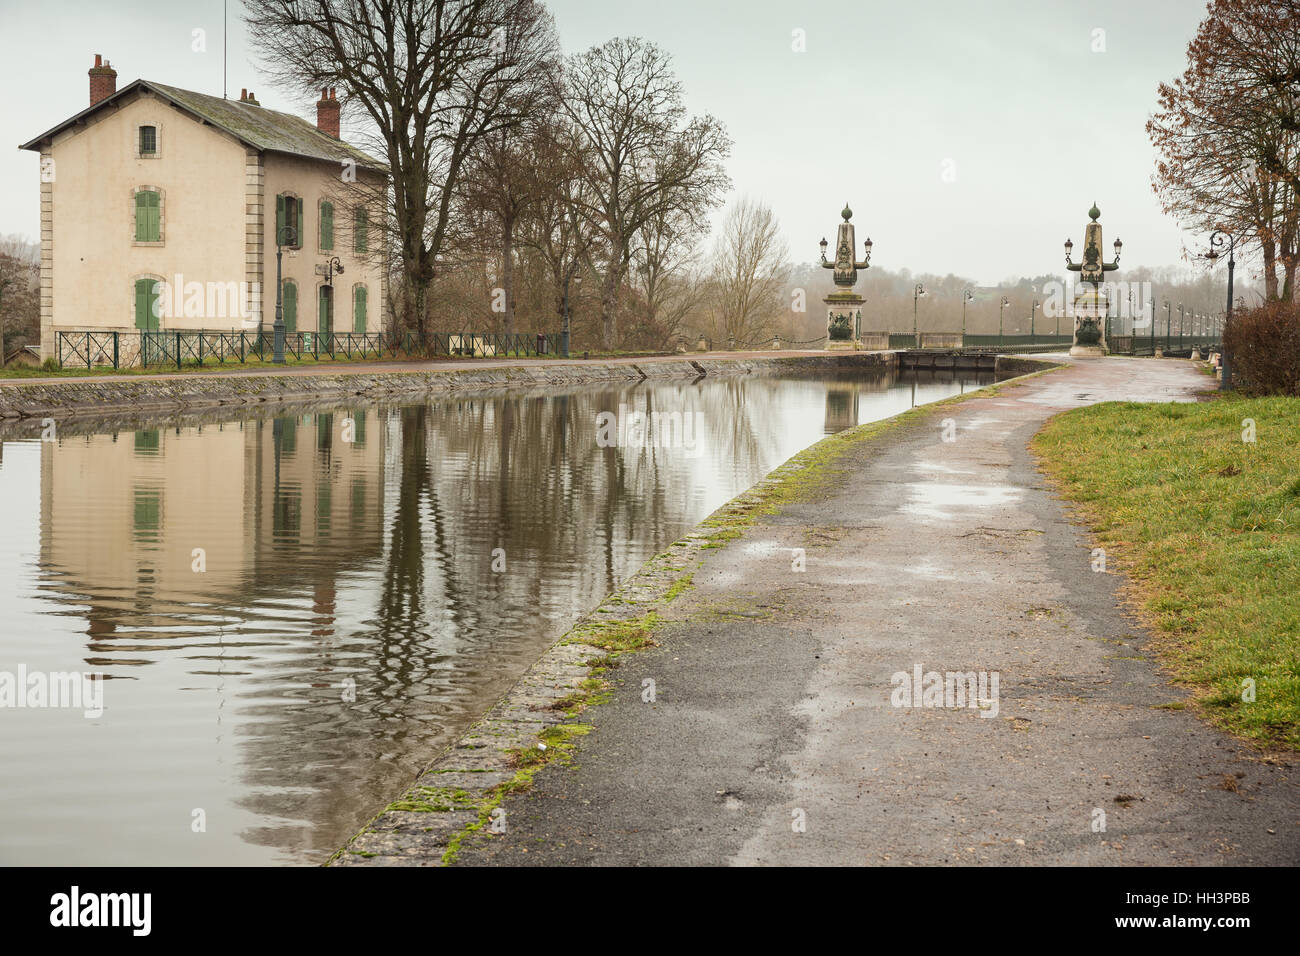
(646, 156)
(750, 269)
(557, 227)
(20, 281)
(664, 274)
(432, 78)
(1228, 132)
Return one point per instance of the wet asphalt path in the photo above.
(772, 739)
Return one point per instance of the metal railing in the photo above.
(176, 348)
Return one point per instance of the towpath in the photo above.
(771, 738)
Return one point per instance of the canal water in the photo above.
(288, 617)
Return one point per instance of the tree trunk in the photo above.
(508, 273)
(609, 294)
(1269, 248)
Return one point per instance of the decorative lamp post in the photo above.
(1033, 311)
(1002, 307)
(965, 297)
(1216, 242)
(1180, 326)
(844, 306)
(916, 294)
(1090, 304)
(284, 236)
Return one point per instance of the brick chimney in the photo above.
(103, 80)
(327, 113)
(246, 97)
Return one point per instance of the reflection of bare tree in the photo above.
(373, 564)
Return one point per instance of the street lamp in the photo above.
(1168, 322)
(1002, 307)
(965, 297)
(284, 236)
(916, 294)
(1216, 241)
(1032, 312)
(1180, 326)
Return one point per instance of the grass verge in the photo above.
(1206, 523)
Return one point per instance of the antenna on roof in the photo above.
(223, 49)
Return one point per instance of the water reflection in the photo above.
(294, 613)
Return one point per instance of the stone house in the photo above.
(161, 209)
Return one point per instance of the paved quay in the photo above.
(91, 395)
(380, 366)
(771, 738)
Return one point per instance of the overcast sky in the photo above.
(968, 137)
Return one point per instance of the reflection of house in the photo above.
(271, 504)
(152, 182)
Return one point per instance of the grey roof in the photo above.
(254, 125)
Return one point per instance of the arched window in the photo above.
(288, 221)
(359, 297)
(290, 305)
(148, 215)
(326, 226)
(325, 312)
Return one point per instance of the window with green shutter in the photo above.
(325, 312)
(327, 225)
(148, 216)
(148, 140)
(290, 305)
(288, 212)
(146, 299)
(148, 509)
(146, 442)
(361, 237)
(359, 309)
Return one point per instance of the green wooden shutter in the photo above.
(291, 307)
(361, 230)
(279, 219)
(145, 296)
(359, 309)
(148, 218)
(327, 225)
(325, 323)
(297, 240)
(148, 509)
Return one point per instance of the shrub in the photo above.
(1265, 347)
(51, 364)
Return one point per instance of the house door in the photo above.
(146, 304)
(326, 311)
(290, 298)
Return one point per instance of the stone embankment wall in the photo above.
(87, 396)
